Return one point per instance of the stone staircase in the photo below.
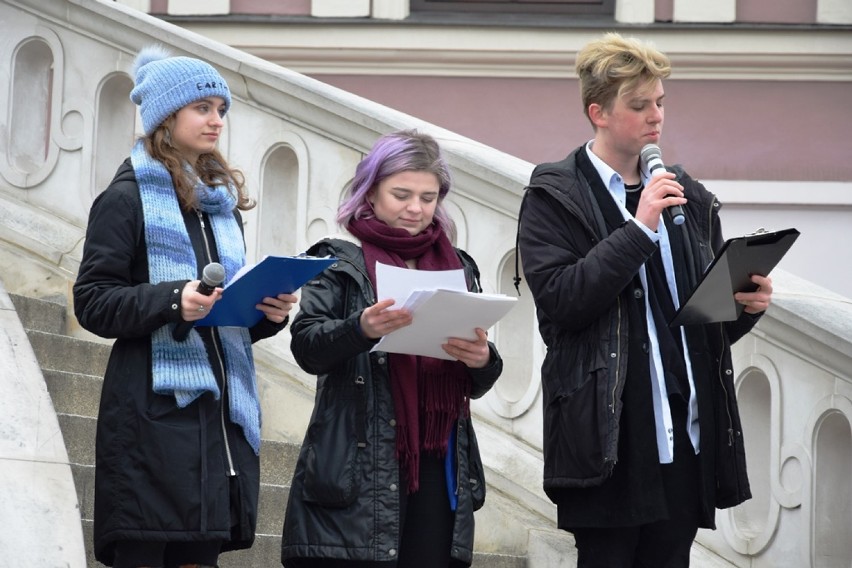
(73, 370)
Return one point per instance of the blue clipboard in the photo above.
(271, 276)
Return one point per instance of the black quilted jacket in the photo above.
(344, 499)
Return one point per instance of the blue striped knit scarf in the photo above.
(183, 369)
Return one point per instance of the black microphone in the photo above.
(652, 158)
(211, 277)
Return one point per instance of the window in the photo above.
(516, 6)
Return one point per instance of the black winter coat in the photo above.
(344, 501)
(161, 471)
(584, 278)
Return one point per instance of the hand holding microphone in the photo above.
(652, 159)
(211, 277)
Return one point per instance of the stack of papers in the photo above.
(441, 308)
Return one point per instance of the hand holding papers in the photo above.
(730, 272)
(272, 276)
(441, 307)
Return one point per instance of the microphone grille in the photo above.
(213, 274)
(650, 151)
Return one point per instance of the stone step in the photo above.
(264, 553)
(40, 315)
(498, 561)
(277, 462)
(79, 435)
(270, 511)
(69, 354)
(88, 530)
(84, 482)
(74, 393)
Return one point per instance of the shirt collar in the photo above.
(611, 178)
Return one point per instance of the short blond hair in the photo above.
(614, 65)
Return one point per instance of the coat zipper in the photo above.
(722, 384)
(720, 371)
(214, 331)
(617, 356)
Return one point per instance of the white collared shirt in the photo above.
(662, 413)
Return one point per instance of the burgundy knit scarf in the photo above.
(429, 394)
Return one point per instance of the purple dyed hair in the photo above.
(402, 151)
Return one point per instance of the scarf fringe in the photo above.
(443, 402)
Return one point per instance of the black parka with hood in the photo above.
(162, 472)
(584, 278)
(344, 501)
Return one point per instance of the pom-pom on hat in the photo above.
(166, 84)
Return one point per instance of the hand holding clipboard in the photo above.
(730, 272)
(271, 276)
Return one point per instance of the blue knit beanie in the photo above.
(166, 84)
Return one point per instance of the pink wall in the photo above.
(751, 130)
(761, 130)
(265, 7)
(777, 12)
(664, 10)
(272, 7)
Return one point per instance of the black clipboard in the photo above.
(730, 272)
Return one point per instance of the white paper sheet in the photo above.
(438, 313)
(398, 283)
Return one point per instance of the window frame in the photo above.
(532, 7)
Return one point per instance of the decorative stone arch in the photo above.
(281, 188)
(113, 129)
(830, 490)
(517, 390)
(750, 527)
(459, 218)
(33, 110)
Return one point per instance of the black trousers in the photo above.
(133, 554)
(662, 544)
(427, 533)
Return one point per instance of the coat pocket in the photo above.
(331, 459)
(573, 443)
